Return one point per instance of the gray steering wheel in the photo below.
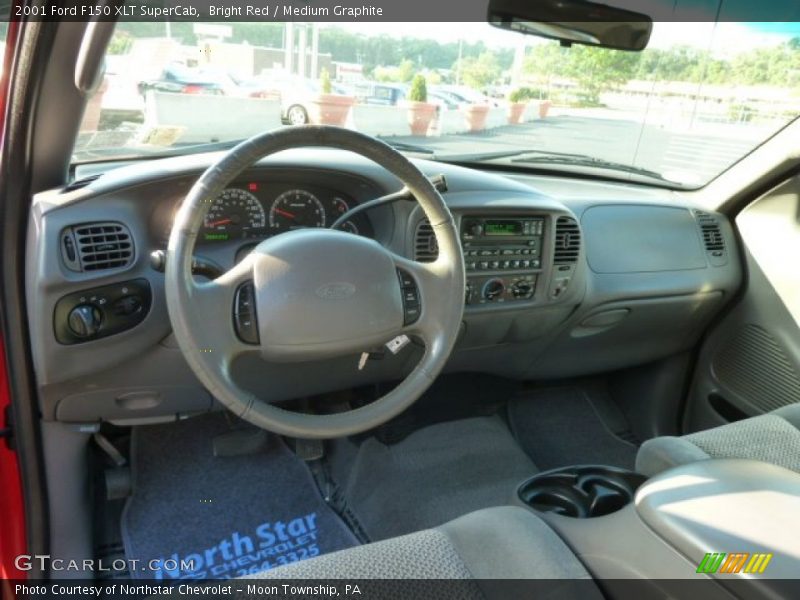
(316, 293)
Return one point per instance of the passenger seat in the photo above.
(772, 438)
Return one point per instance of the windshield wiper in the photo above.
(557, 158)
(405, 147)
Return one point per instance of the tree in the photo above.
(405, 72)
(479, 72)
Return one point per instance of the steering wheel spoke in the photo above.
(217, 312)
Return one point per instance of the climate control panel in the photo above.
(491, 288)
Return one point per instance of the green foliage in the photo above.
(325, 81)
(479, 72)
(405, 72)
(120, 43)
(597, 69)
(419, 89)
(372, 51)
(525, 94)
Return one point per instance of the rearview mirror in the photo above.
(574, 22)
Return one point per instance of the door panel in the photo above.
(750, 362)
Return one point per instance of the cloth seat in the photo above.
(495, 543)
(772, 438)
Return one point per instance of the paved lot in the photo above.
(618, 140)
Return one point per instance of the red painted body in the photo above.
(12, 509)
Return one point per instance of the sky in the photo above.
(725, 39)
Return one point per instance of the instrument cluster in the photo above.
(254, 211)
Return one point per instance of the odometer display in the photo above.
(235, 213)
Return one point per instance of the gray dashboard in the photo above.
(606, 277)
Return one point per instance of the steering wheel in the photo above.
(312, 294)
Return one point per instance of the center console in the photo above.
(502, 256)
(728, 525)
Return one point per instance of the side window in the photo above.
(770, 228)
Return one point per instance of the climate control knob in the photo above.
(84, 320)
(522, 289)
(493, 289)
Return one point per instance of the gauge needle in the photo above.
(220, 222)
(286, 214)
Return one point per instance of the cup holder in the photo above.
(581, 492)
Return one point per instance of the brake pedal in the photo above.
(307, 450)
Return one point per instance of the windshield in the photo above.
(700, 97)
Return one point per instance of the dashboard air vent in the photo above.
(568, 241)
(99, 246)
(425, 247)
(711, 232)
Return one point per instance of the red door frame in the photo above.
(12, 525)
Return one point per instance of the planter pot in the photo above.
(420, 116)
(544, 108)
(476, 116)
(515, 112)
(330, 109)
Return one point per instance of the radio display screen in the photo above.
(502, 228)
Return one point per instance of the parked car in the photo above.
(384, 94)
(180, 79)
(295, 95)
(462, 94)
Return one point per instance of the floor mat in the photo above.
(434, 475)
(224, 517)
(558, 427)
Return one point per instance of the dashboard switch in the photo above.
(127, 305)
(84, 320)
(91, 314)
(410, 294)
(244, 314)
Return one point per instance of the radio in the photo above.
(502, 256)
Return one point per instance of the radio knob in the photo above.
(493, 289)
(475, 229)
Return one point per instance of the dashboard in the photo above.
(564, 277)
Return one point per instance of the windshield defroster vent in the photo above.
(97, 246)
(426, 248)
(568, 241)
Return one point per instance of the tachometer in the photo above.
(233, 214)
(295, 209)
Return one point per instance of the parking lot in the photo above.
(614, 139)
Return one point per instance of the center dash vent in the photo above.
(568, 241)
(426, 249)
(97, 246)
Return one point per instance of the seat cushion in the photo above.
(773, 438)
(495, 543)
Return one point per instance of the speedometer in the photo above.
(295, 209)
(233, 214)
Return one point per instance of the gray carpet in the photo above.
(558, 427)
(230, 516)
(433, 476)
